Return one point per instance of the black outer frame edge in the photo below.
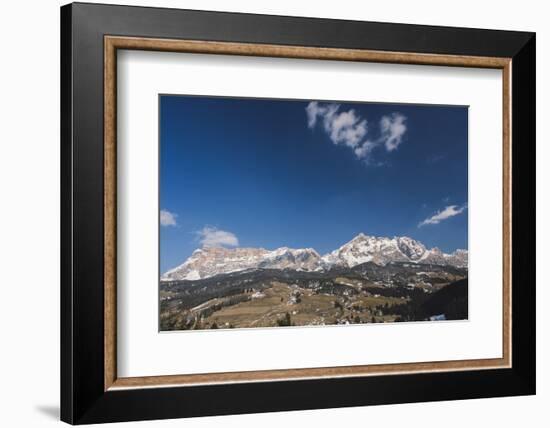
(299, 31)
(83, 398)
(66, 306)
(524, 213)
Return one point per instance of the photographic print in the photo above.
(280, 213)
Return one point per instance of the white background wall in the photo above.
(29, 214)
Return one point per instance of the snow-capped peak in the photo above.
(211, 261)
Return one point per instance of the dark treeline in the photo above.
(451, 301)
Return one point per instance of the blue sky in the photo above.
(271, 173)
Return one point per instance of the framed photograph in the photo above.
(272, 213)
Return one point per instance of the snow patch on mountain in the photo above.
(211, 261)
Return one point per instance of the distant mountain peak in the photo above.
(211, 261)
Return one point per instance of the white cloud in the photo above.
(167, 218)
(364, 150)
(346, 128)
(350, 129)
(392, 129)
(443, 214)
(213, 237)
(342, 127)
(313, 110)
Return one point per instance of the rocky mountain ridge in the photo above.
(211, 261)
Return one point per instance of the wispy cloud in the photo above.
(214, 237)
(435, 158)
(447, 212)
(392, 129)
(344, 127)
(167, 218)
(350, 129)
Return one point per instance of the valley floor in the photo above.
(276, 303)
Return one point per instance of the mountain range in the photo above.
(207, 262)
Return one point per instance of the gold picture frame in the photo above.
(114, 43)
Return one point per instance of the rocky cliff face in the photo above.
(208, 262)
